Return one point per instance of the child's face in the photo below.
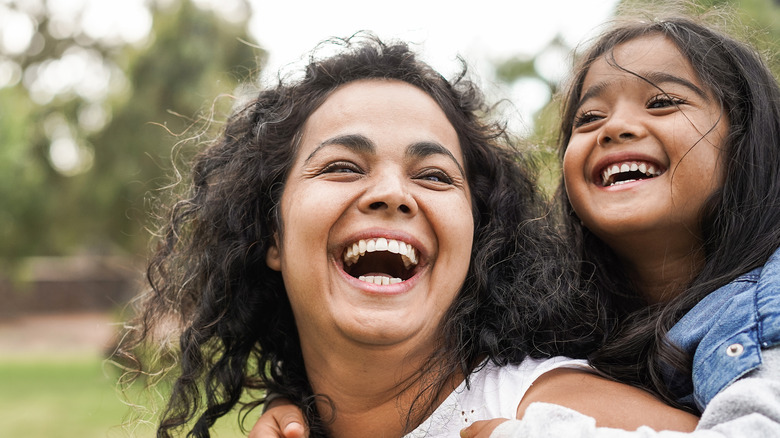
(641, 162)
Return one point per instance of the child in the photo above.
(671, 135)
(671, 162)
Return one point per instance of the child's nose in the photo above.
(620, 127)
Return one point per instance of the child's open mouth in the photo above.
(629, 171)
(380, 261)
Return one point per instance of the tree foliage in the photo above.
(76, 167)
(76, 164)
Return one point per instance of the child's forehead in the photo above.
(642, 58)
(648, 50)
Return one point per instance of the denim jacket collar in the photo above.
(726, 332)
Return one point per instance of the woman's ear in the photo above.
(273, 256)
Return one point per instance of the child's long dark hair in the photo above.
(740, 223)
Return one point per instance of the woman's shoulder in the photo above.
(498, 389)
(491, 391)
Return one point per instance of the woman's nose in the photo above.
(389, 194)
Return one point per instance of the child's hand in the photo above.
(282, 419)
(481, 429)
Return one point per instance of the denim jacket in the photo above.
(726, 332)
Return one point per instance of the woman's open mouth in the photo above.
(629, 171)
(380, 260)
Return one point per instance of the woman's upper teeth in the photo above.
(406, 251)
(648, 169)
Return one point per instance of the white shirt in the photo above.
(493, 392)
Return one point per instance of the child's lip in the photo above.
(620, 159)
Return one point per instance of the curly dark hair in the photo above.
(740, 222)
(209, 273)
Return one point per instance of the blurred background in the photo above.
(99, 99)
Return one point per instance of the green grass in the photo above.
(72, 397)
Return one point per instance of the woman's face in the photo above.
(645, 150)
(376, 219)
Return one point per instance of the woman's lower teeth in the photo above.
(379, 279)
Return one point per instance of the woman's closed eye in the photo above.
(346, 167)
(435, 176)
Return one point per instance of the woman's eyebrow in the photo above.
(427, 148)
(355, 142)
(361, 143)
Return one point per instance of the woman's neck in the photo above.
(371, 392)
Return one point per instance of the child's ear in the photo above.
(273, 256)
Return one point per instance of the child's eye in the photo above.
(434, 175)
(341, 167)
(585, 118)
(664, 101)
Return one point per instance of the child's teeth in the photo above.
(381, 244)
(609, 172)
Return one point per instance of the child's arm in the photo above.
(281, 419)
(610, 403)
(569, 402)
(734, 419)
(748, 408)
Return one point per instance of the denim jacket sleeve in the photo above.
(726, 332)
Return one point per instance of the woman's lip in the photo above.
(377, 289)
(374, 233)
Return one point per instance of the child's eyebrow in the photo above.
(657, 78)
(595, 90)
(654, 78)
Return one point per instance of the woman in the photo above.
(356, 242)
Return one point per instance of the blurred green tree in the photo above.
(87, 124)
